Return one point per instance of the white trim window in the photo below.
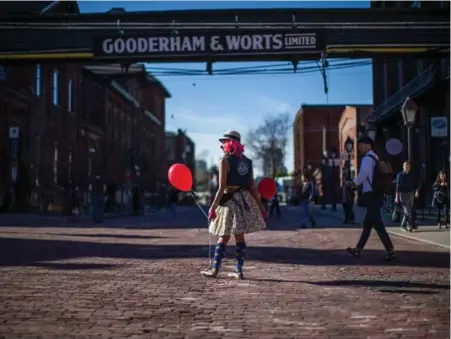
(420, 66)
(55, 163)
(55, 88)
(400, 74)
(38, 80)
(69, 95)
(385, 82)
(2, 73)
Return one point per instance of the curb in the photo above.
(406, 236)
(418, 239)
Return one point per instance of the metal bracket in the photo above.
(174, 30)
(323, 70)
(295, 65)
(124, 68)
(118, 23)
(209, 67)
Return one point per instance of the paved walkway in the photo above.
(140, 278)
(427, 229)
(24, 219)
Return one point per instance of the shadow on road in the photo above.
(75, 266)
(121, 236)
(24, 252)
(385, 286)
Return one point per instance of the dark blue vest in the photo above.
(240, 170)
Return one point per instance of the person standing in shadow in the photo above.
(97, 199)
(306, 196)
(275, 206)
(136, 200)
(348, 203)
(407, 189)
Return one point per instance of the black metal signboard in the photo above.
(192, 44)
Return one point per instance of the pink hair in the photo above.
(234, 147)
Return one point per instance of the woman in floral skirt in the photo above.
(237, 208)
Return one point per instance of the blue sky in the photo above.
(207, 106)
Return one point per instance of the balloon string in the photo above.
(209, 236)
(200, 207)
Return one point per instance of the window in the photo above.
(38, 80)
(69, 169)
(385, 81)
(38, 150)
(400, 74)
(420, 66)
(69, 96)
(2, 73)
(55, 88)
(55, 163)
(415, 4)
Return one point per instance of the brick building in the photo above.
(128, 126)
(426, 81)
(352, 124)
(40, 99)
(180, 149)
(318, 129)
(315, 130)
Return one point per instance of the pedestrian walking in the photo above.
(306, 196)
(441, 198)
(348, 203)
(275, 206)
(136, 200)
(375, 177)
(97, 199)
(236, 209)
(173, 200)
(407, 189)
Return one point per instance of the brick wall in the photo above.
(308, 133)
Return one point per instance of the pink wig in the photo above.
(234, 147)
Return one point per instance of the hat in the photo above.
(231, 135)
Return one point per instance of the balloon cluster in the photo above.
(181, 178)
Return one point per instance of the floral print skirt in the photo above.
(238, 215)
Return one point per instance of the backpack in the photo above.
(382, 182)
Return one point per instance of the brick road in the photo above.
(129, 279)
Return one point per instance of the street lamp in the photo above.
(409, 113)
(333, 156)
(349, 146)
(323, 173)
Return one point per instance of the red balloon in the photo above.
(267, 188)
(180, 177)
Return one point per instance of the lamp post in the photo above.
(409, 112)
(323, 173)
(371, 130)
(349, 146)
(333, 156)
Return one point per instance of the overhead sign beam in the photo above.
(209, 45)
(152, 37)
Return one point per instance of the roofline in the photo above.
(159, 84)
(335, 105)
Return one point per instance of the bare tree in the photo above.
(268, 142)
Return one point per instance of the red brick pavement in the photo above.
(143, 283)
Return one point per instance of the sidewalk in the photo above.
(427, 232)
(28, 219)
